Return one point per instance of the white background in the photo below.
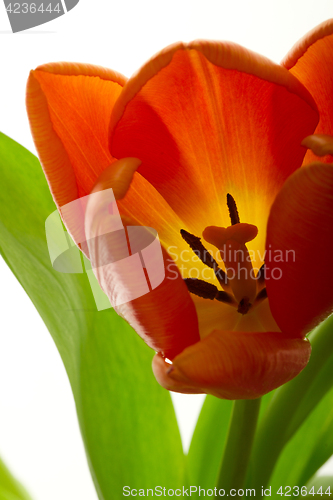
(39, 436)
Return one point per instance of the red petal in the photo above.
(161, 369)
(210, 118)
(69, 107)
(310, 60)
(300, 290)
(320, 144)
(235, 365)
(165, 317)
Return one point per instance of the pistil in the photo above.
(231, 242)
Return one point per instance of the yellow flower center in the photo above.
(242, 288)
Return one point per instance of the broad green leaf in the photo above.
(10, 488)
(292, 403)
(310, 447)
(127, 421)
(7, 495)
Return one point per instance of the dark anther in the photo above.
(261, 275)
(225, 297)
(208, 291)
(221, 276)
(195, 244)
(203, 254)
(233, 212)
(244, 306)
(201, 288)
(262, 295)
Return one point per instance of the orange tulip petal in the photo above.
(161, 368)
(144, 205)
(209, 118)
(69, 107)
(139, 200)
(163, 316)
(299, 248)
(310, 60)
(133, 192)
(320, 144)
(235, 365)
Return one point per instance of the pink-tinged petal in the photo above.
(164, 315)
(69, 107)
(235, 365)
(299, 271)
(310, 60)
(209, 118)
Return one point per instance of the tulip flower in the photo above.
(204, 144)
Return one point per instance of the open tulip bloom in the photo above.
(227, 157)
(215, 147)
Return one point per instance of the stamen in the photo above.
(261, 296)
(208, 291)
(195, 244)
(244, 306)
(226, 298)
(233, 212)
(201, 288)
(261, 275)
(221, 276)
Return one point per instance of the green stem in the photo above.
(238, 445)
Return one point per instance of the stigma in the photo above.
(231, 243)
(239, 281)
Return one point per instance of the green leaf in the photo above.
(10, 488)
(310, 447)
(7, 495)
(127, 420)
(292, 404)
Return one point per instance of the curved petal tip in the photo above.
(320, 144)
(234, 365)
(118, 177)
